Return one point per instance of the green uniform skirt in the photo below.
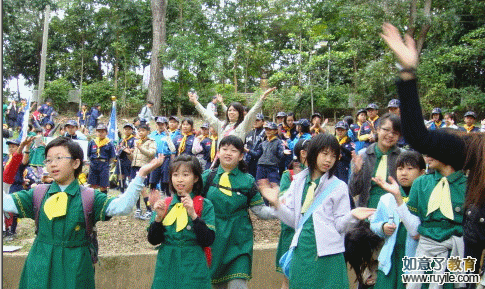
(284, 243)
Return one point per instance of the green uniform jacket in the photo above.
(59, 257)
(435, 225)
(232, 251)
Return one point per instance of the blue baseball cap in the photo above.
(372, 106)
(71, 122)
(393, 103)
(436, 110)
(342, 124)
(270, 125)
(471, 114)
(161, 119)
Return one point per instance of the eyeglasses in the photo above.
(54, 159)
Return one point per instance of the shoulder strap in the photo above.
(87, 197)
(316, 202)
(208, 182)
(39, 193)
(198, 205)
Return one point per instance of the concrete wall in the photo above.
(136, 270)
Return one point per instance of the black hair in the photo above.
(301, 145)
(451, 115)
(30, 127)
(189, 121)
(193, 163)
(246, 109)
(240, 109)
(349, 120)
(319, 143)
(136, 119)
(239, 145)
(38, 129)
(150, 102)
(304, 129)
(394, 119)
(411, 158)
(6, 133)
(73, 148)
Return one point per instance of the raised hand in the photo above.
(219, 98)
(25, 143)
(405, 50)
(155, 163)
(392, 187)
(160, 208)
(357, 160)
(193, 97)
(362, 213)
(189, 205)
(267, 92)
(270, 191)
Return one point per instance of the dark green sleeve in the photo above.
(208, 214)
(101, 202)
(285, 182)
(413, 203)
(24, 202)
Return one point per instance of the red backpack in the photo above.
(198, 207)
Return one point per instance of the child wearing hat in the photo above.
(205, 141)
(71, 131)
(83, 115)
(346, 148)
(272, 152)
(123, 151)
(100, 152)
(436, 121)
(470, 118)
(303, 129)
(94, 116)
(317, 125)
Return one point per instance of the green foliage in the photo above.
(98, 92)
(58, 91)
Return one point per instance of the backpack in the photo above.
(87, 197)
(209, 182)
(198, 207)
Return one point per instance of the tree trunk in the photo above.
(159, 9)
(43, 55)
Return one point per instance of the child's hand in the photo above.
(192, 97)
(483, 122)
(270, 191)
(357, 160)
(392, 187)
(388, 229)
(155, 163)
(265, 94)
(362, 213)
(25, 143)
(160, 208)
(189, 205)
(405, 50)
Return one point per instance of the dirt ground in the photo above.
(126, 234)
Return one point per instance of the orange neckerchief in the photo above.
(469, 128)
(438, 124)
(372, 121)
(126, 139)
(140, 141)
(213, 147)
(342, 140)
(183, 141)
(100, 143)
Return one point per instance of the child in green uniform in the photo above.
(181, 233)
(233, 191)
(435, 213)
(387, 224)
(287, 232)
(60, 255)
(318, 243)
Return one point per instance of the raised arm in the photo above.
(250, 117)
(207, 115)
(439, 145)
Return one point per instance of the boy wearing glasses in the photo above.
(100, 152)
(377, 160)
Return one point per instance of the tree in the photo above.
(159, 9)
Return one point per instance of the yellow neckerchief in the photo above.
(182, 142)
(126, 139)
(309, 197)
(342, 140)
(56, 205)
(225, 182)
(440, 198)
(359, 123)
(213, 147)
(171, 131)
(140, 141)
(83, 112)
(177, 213)
(438, 124)
(316, 130)
(270, 139)
(375, 118)
(100, 143)
(469, 128)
